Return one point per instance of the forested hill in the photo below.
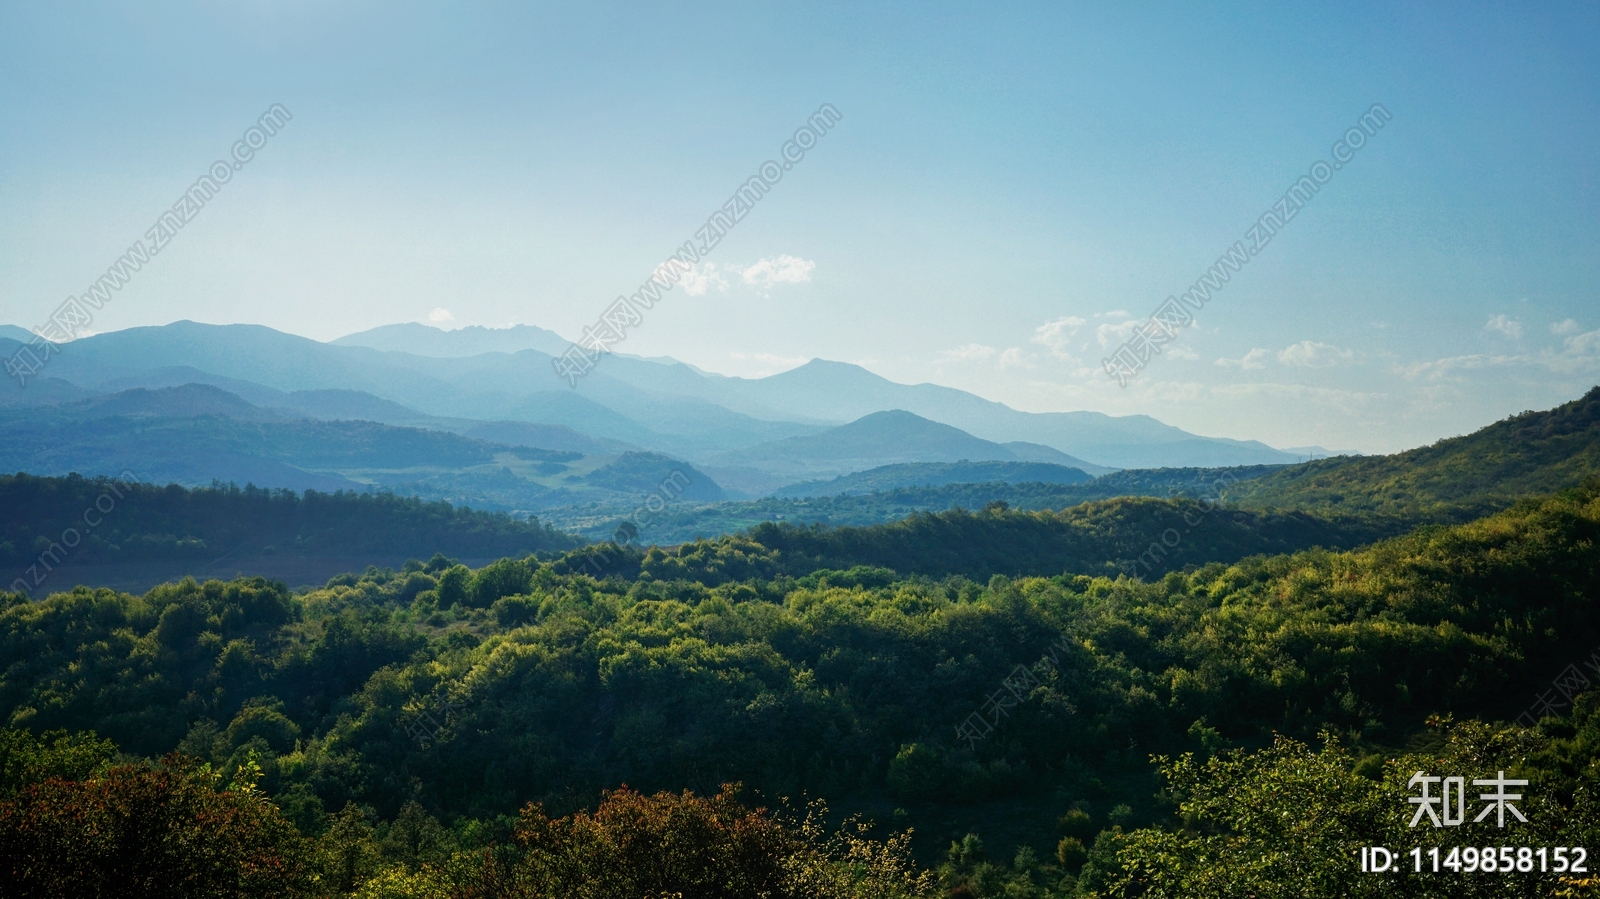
(1453, 480)
(433, 699)
(1140, 536)
(116, 521)
(933, 474)
(688, 522)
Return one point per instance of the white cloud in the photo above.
(980, 354)
(970, 352)
(783, 269)
(1579, 353)
(1585, 344)
(1116, 333)
(1182, 352)
(701, 278)
(1348, 401)
(1015, 358)
(1440, 368)
(1564, 327)
(1055, 334)
(1313, 354)
(698, 279)
(439, 316)
(1506, 325)
(1256, 358)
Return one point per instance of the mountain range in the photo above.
(478, 416)
(660, 404)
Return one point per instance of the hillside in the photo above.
(1453, 480)
(470, 693)
(1108, 537)
(150, 529)
(695, 521)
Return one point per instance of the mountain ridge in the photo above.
(1454, 479)
(658, 404)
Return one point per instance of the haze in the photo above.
(1006, 192)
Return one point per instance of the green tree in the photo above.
(1290, 821)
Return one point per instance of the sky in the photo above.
(1008, 193)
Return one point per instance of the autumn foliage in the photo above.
(636, 846)
(143, 830)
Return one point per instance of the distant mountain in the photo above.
(12, 332)
(44, 388)
(298, 455)
(656, 404)
(648, 474)
(573, 410)
(1453, 480)
(180, 375)
(40, 392)
(195, 434)
(935, 474)
(473, 340)
(881, 438)
(823, 391)
(187, 401)
(663, 375)
(252, 353)
(1318, 452)
(1038, 452)
(345, 405)
(544, 436)
(820, 388)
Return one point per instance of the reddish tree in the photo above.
(139, 831)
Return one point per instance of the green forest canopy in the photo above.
(470, 693)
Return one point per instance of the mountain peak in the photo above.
(473, 340)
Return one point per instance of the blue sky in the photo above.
(1008, 188)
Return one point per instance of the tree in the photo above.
(683, 846)
(153, 831)
(347, 852)
(1289, 821)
